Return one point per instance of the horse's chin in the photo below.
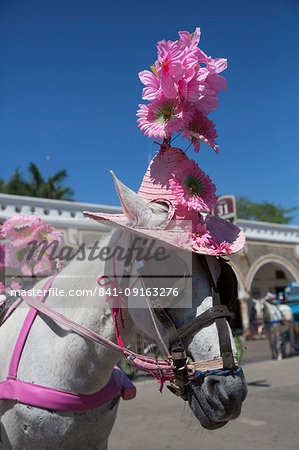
(215, 401)
(203, 416)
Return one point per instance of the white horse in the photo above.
(54, 356)
(279, 326)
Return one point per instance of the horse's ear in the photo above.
(134, 207)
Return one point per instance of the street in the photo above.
(269, 418)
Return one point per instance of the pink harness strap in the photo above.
(116, 296)
(14, 363)
(49, 398)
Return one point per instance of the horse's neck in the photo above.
(271, 312)
(75, 293)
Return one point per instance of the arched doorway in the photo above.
(269, 274)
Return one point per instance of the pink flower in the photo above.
(2, 257)
(46, 232)
(186, 78)
(184, 240)
(216, 82)
(200, 129)
(216, 65)
(40, 262)
(170, 70)
(153, 85)
(14, 256)
(2, 288)
(209, 100)
(37, 264)
(192, 187)
(200, 235)
(161, 118)
(60, 264)
(2, 232)
(190, 40)
(15, 285)
(42, 267)
(20, 229)
(192, 85)
(219, 247)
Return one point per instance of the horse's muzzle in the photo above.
(215, 400)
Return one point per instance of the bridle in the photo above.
(185, 370)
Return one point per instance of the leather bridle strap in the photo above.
(211, 314)
(176, 346)
(222, 325)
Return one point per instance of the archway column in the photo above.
(243, 297)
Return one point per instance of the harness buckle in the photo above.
(178, 355)
(178, 388)
(178, 360)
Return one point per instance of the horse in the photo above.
(56, 357)
(279, 326)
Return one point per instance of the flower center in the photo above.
(196, 234)
(193, 185)
(164, 64)
(166, 114)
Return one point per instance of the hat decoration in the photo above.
(181, 89)
(193, 187)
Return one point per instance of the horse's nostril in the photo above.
(212, 383)
(228, 391)
(213, 386)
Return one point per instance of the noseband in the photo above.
(185, 370)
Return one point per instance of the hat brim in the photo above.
(221, 230)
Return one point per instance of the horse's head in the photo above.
(214, 399)
(197, 330)
(271, 312)
(258, 305)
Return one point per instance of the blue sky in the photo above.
(69, 88)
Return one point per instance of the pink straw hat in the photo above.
(176, 181)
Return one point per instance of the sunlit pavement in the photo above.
(269, 419)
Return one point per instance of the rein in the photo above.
(161, 369)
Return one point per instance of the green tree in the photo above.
(264, 212)
(36, 185)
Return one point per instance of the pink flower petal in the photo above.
(200, 128)
(192, 187)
